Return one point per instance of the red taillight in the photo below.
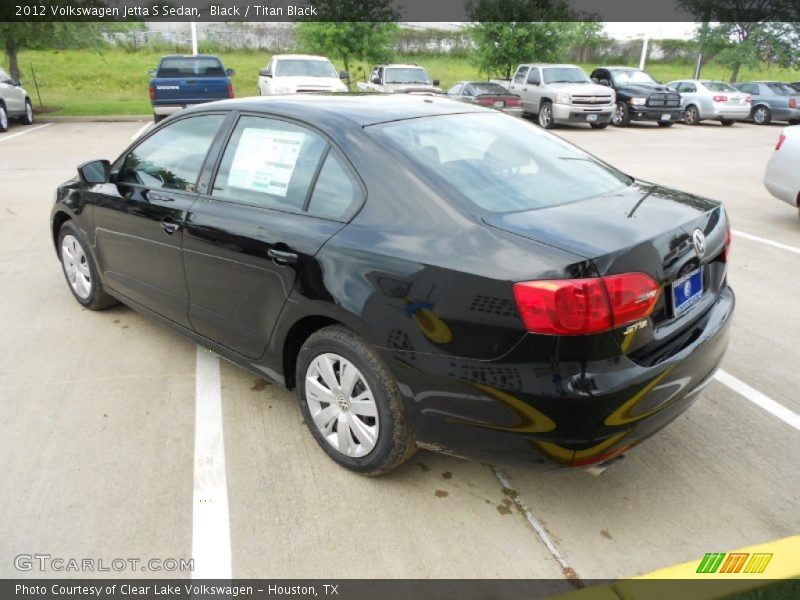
(792, 102)
(152, 93)
(728, 240)
(781, 139)
(484, 101)
(720, 98)
(230, 90)
(513, 102)
(585, 306)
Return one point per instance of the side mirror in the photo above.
(152, 72)
(95, 171)
(16, 82)
(344, 74)
(230, 72)
(605, 82)
(265, 73)
(436, 82)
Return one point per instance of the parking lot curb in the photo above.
(678, 581)
(95, 119)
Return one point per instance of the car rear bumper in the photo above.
(736, 113)
(557, 413)
(566, 113)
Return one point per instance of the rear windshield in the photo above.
(202, 66)
(298, 67)
(565, 75)
(488, 88)
(406, 75)
(719, 86)
(499, 163)
(782, 89)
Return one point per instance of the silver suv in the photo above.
(14, 102)
(562, 94)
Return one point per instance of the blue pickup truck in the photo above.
(181, 81)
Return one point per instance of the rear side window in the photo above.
(172, 157)
(191, 66)
(270, 163)
(336, 192)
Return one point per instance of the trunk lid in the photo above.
(643, 228)
(190, 90)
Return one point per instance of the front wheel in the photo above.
(3, 119)
(27, 118)
(546, 120)
(665, 123)
(158, 118)
(80, 270)
(691, 116)
(621, 116)
(794, 121)
(598, 125)
(351, 403)
(727, 122)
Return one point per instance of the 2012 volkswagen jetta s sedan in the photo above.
(423, 272)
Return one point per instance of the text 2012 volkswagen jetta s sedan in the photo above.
(423, 272)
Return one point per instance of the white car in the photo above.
(14, 102)
(782, 177)
(703, 99)
(300, 73)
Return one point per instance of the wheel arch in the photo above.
(295, 337)
(58, 221)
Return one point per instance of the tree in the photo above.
(509, 32)
(350, 30)
(743, 33)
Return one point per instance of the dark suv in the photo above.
(639, 96)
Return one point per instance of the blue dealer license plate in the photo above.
(686, 291)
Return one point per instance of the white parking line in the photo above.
(753, 395)
(755, 238)
(141, 131)
(211, 536)
(5, 138)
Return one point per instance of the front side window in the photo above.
(172, 157)
(498, 163)
(269, 162)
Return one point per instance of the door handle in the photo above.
(281, 257)
(169, 225)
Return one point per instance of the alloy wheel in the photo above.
(545, 116)
(760, 116)
(29, 112)
(616, 116)
(3, 119)
(76, 267)
(342, 405)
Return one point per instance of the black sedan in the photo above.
(425, 273)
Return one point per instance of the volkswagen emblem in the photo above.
(699, 242)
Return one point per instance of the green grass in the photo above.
(114, 81)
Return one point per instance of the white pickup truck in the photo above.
(561, 94)
(299, 73)
(400, 79)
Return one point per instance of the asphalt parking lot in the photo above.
(97, 418)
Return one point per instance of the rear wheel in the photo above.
(691, 116)
(794, 121)
(762, 115)
(727, 122)
(621, 116)
(27, 118)
(546, 115)
(665, 123)
(3, 119)
(351, 403)
(80, 270)
(599, 125)
(158, 118)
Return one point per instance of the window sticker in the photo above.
(265, 160)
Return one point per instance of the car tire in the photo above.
(27, 118)
(79, 269)
(794, 121)
(545, 117)
(621, 117)
(727, 122)
(376, 440)
(3, 119)
(598, 125)
(665, 123)
(762, 115)
(158, 118)
(691, 116)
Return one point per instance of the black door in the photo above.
(138, 222)
(280, 192)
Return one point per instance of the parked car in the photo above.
(639, 96)
(15, 103)
(486, 94)
(559, 94)
(425, 273)
(181, 81)
(400, 78)
(782, 177)
(703, 99)
(795, 85)
(299, 73)
(771, 101)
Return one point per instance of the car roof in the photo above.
(540, 65)
(356, 109)
(401, 65)
(620, 68)
(189, 56)
(304, 56)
